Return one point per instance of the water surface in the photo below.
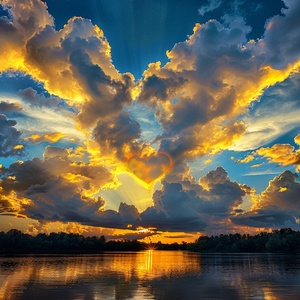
(151, 275)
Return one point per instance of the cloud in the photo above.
(6, 107)
(265, 219)
(199, 97)
(32, 97)
(119, 134)
(150, 167)
(52, 137)
(58, 189)
(245, 160)
(41, 114)
(283, 192)
(280, 44)
(19, 176)
(9, 203)
(10, 143)
(283, 154)
(211, 77)
(57, 200)
(277, 206)
(26, 18)
(88, 178)
(56, 153)
(185, 205)
(264, 125)
(129, 213)
(73, 63)
(212, 5)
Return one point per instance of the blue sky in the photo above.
(149, 116)
(140, 32)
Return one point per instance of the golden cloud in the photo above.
(283, 154)
(47, 137)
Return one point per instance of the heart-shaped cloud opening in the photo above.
(148, 168)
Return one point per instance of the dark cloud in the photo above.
(129, 213)
(6, 206)
(172, 210)
(19, 176)
(6, 107)
(55, 152)
(58, 200)
(54, 189)
(200, 140)
(117, 134)
(278, 205)
(270, 218)
(187, 206)
(284, 192)
(156, 88)
(191, 93)
(213, 76)
(10, 143)
(280, 45)
(32, 97)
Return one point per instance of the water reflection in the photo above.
(151, 275)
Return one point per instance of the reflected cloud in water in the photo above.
(151, 275)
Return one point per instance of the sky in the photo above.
(152, 120)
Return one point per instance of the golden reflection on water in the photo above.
(156, 274)
(149, 261)
(66, 270)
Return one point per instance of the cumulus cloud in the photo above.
(10, 143)
(185, 205)
(277, 206)
(58, 189)
(9, 203)
(73, 63)
(58, 200)
(198, 97)
(150, 167)
(283, 192)
(214, 76)
(280, 44)
(119, 134)
(55, 152)
(20, 176)
(129, 213)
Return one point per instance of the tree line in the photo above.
(281, 240)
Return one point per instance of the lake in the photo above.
(151, 275)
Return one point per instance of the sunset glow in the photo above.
(135, 120)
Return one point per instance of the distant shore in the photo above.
(15, 242)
